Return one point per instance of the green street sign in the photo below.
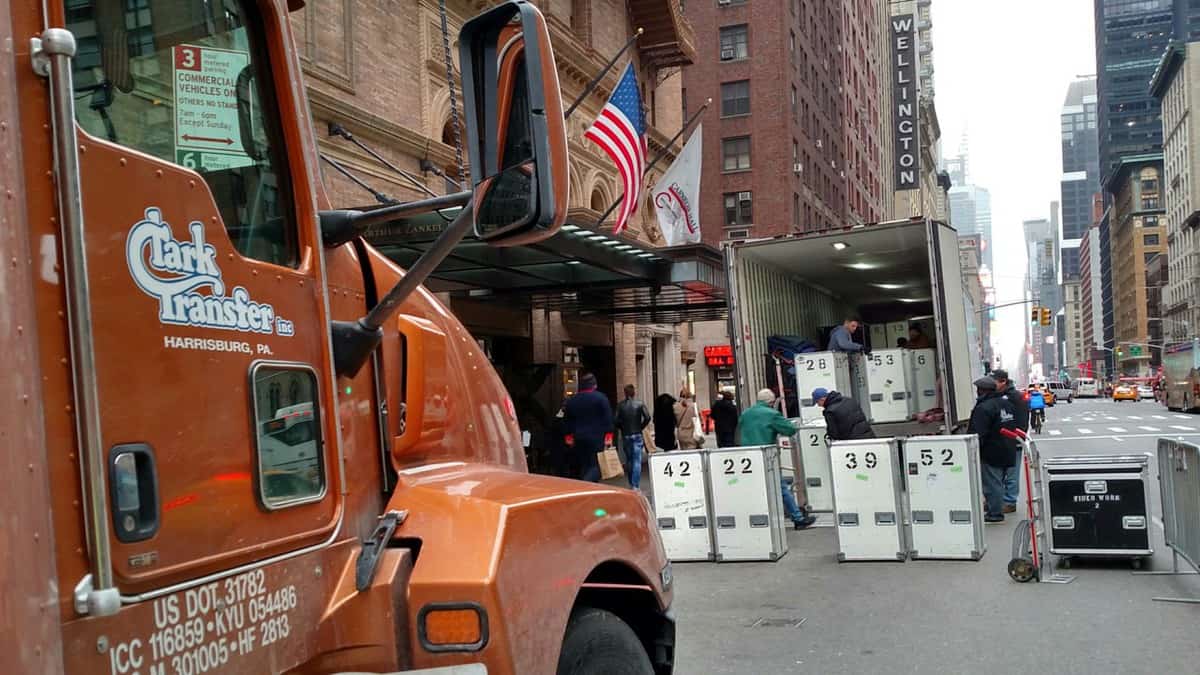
(1135, 350)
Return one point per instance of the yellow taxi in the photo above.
(1047, 395)
(1125, 392)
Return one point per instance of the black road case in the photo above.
(1098, 505)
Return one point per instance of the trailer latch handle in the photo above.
(368, 558)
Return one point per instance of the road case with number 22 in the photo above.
(945, 497)
(681, 504)
(867, 500)
(747, 503)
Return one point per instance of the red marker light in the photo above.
(510, 408)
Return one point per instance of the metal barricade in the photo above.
(1179, 482)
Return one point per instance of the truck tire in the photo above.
(600, 643)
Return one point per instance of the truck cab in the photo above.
(250, 443)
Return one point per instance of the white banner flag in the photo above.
(677, 195)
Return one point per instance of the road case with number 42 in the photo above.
(681, 504)
(747, 503)
(945, 497)
(867, 500)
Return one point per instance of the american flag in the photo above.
(620, 131)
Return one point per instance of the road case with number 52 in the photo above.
(867, 500)
(681, 504)
(747, 503)
(945, 497)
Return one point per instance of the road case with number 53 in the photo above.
(681, 504)
(867, 500)
(882, 381)
(945, 497)
(747, 503)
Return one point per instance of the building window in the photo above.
(735, 98)
(1150, 239)
(735, 154)
(738, 208)
(795, 212)
(794, 100)
(734, 43)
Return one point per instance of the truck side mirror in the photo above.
(516, 136)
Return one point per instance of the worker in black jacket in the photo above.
(1012, 484)
(844, 419)
(997, 452)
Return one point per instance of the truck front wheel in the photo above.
(600, 643)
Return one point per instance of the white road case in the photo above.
(879, 336)
(681, 504)
(883, 385)
(924, 379)
(945, 497)
(747, 503)
(868, 510)
(811, 449)
(895, 331)
(830, 370)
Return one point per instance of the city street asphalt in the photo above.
(806, 613)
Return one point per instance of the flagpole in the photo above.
(600, 76)
(657, 159)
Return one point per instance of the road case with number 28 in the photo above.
(681, 504)
(945, 497)
(747, 503)
(867, 500)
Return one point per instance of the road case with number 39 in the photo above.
(747, 503)
(867, 500)
(945, 497)
(681, 504)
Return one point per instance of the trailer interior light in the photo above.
(863, 266)
(913, 299)
(888, 287)
(840, 245)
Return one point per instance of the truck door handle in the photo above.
(133, 490)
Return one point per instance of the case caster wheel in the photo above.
(1022, 570)
(1064, 563)
(1136, 563)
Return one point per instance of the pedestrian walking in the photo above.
(588, 418)
(844, 418)
(762, 424)
(687, 423)
(632, 418)
(725, 417)
(664, 422)
(842, 337)
(1012, 481)
(992, 413)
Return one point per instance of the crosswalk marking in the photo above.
(1160, 417)
(1183, 417)
(1119, 430)
(1055, 432)
(1085, 431)
(1149, 428)
(1111, 419)
(1134, 417)
(1176, 426)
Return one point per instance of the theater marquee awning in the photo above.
(577, 271)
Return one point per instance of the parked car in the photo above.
(1125, 392)
(1145, 391)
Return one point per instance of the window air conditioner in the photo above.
(722, 2)
(797, 168)
(726, 54)
(743, 196)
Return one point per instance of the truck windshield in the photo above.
(188, 82)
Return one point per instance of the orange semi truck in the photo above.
(237, 439)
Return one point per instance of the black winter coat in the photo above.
(1020, 406)
(992, 413)
(844, 419)
(664, 422)
(725, 416)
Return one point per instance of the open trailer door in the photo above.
(959, 363)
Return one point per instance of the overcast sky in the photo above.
(1001, 71)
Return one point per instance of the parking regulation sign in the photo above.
(207, 133)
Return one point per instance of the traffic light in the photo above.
(1120, 353)
(1045, 316)
(1033, 314)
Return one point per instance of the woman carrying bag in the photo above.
(664, 422)
(687, 423)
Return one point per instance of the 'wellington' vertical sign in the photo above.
(904, 101)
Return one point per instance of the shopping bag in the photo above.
(648, 442)
(610, 463)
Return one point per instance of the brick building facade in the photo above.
(378, 70)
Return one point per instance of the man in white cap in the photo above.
(762, 424)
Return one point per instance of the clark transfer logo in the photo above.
(184, 277)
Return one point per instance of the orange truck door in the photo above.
(209, 315)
